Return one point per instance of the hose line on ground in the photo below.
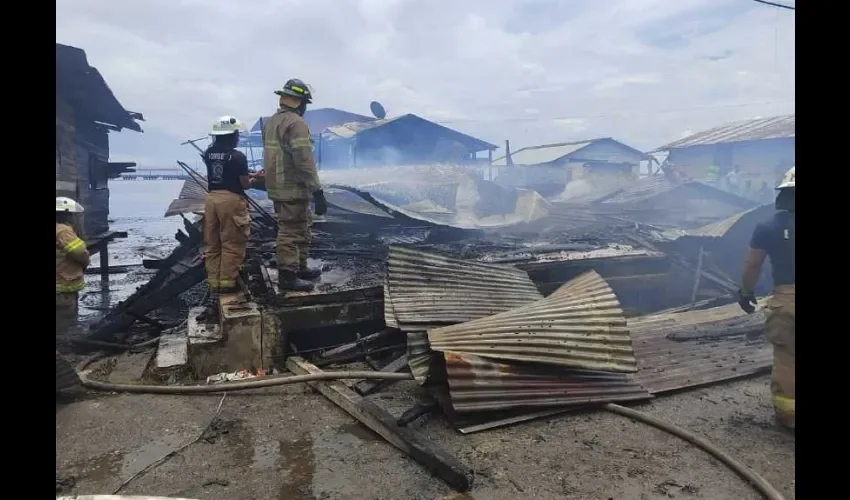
(238, 386)
(742, 470)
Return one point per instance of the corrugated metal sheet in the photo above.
(444, 195)
(643, 189)
(776, 127)
(546, 153)
(603, 149)
(419, 355)
(428, 289)
(350, 129)
(346, 200)
(720, 228)
(477, 384)
(667, 365)
(580, 325)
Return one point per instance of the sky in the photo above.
(645, 72)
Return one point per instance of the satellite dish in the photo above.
(378, 110)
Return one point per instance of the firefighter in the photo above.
(291, 181)
(227, 224)
(775, 238)
(712, 175)
(72, 258)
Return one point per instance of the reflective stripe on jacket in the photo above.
(72, 257)
(288, 158)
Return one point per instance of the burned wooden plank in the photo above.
(366, 387)
(111, 269)
(358, 346)
(143, 304)
(437, 461)
(417, 411)
(319, 316)
(303, 299)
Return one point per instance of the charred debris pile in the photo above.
(435, 248)
(503, 306)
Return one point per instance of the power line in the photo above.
(619, 113)
(774, 4)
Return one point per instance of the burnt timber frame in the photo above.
(100, 244)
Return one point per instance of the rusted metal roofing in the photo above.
(477, 384)
(720, 228)
(419, 355)
(426, 289)
(776, 127)
(666, 364)
(580, 325)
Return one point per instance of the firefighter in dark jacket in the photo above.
(775, 238)
(227, 223)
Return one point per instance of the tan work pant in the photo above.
(227, 228)
(779, 329)
(293, 234)
(67, 307)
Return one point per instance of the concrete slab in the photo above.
(235, 344)
(173, 350)
(199, 332)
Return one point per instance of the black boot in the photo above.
(309, 273)
(288, 281)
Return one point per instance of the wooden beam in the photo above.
(366, 387)
(437, 461)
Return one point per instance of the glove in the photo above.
(321, 203)
(747, 302)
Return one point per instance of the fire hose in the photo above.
(761, 484)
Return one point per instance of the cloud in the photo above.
(637, 70)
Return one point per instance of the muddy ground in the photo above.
(291, 443)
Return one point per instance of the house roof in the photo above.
(84, 87)
(322, 118)
(547, 153)
(775, 127)
(409, 121)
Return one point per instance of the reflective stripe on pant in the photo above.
(67, 306)
(293, 234)
(779, 329)
(227, 228)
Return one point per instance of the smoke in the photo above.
(590, 188)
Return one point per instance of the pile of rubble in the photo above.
(611, 300)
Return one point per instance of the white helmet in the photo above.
(226, 125)
(64, 204)
(787, 180)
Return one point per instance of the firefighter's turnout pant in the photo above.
(293, 234)
(66, 311)
(227, 228)
(780, 331)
